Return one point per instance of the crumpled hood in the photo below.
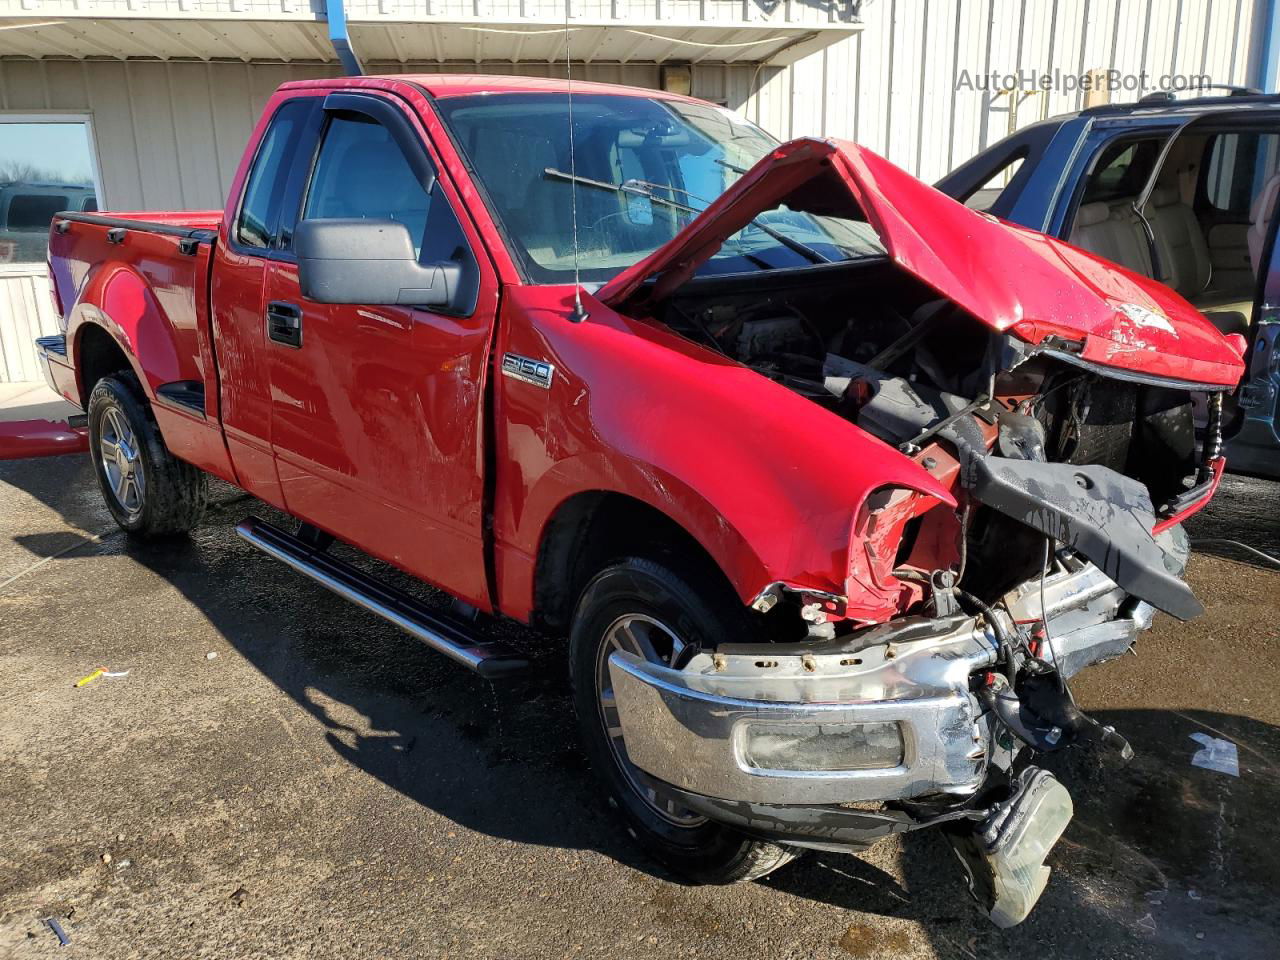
(1013, 279)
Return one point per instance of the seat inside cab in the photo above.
(1205, 220)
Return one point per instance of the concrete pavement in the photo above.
(324, 787)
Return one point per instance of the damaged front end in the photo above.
(1052, 559)
(1072, 446)
(833, 744)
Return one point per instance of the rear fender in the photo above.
(117, 298)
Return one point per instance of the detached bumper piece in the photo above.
(1004, 856)
(42, 438)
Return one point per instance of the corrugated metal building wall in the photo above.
(169, 134)
(894, 86)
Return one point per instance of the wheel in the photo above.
(649, 609)
(148, 490)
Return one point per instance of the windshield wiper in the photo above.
(732, 166)
(640, 188)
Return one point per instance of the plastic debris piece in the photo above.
(120, 673)
(211, 655)
(56, 927)
(1217, 755)
(85, 681)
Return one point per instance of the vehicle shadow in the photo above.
(1159, 850)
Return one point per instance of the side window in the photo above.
(1121, 170)
(262, 192)
(1239, 164)
(987, 193)
(361, 173)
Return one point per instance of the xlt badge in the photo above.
(537, 372)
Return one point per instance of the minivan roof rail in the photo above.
(1239, 96)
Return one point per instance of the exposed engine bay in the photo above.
(963, 401)
(944, 669)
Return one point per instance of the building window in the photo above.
(47, 165)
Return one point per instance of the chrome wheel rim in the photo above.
(121, 461)
(644, 637)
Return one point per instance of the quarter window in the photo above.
(985, 196)
(1121, 170)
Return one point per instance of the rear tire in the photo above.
(148, 491)
(644, 596)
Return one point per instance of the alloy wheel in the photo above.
(120, 457)
(644, 637)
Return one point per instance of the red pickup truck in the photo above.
(832, 482)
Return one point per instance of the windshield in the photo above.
(642, 170)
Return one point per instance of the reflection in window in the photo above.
(361, 173)
(46, 166)
(644, 168)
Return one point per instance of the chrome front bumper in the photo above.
(693, 728)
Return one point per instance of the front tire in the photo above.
(148, 491)
(650, 609)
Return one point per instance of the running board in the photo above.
(451, 638)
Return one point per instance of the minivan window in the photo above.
(1238, 167)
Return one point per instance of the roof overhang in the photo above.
(774, 34)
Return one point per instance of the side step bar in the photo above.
(490, 660)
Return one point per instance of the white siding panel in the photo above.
(26, 312)
(896, 87)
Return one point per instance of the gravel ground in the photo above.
(281, 775)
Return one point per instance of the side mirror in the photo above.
(369, 262)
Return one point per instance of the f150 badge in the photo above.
(537, 372)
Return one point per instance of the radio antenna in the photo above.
(579, 314)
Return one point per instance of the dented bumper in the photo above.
(886, 714)
(871, 722)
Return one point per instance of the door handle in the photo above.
(284, 323)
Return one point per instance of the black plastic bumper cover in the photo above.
(1103, 515)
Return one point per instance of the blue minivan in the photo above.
(1184, 191)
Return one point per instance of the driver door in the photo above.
(376, 410)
